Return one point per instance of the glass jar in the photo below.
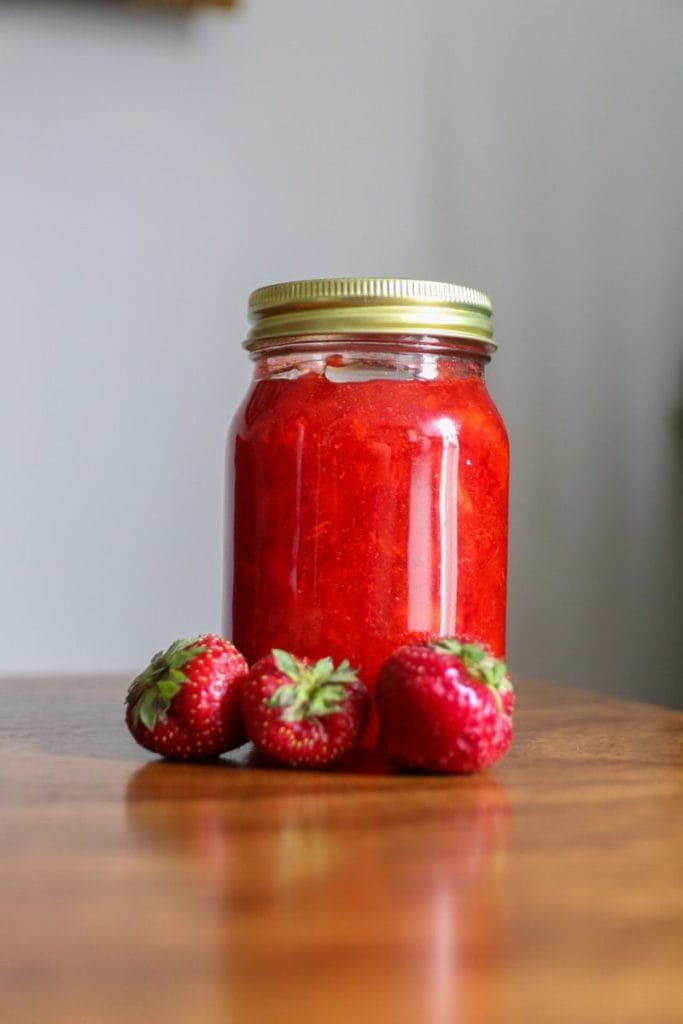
(367, 471)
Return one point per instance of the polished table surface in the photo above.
(134, 890)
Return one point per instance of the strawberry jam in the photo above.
(367, 499)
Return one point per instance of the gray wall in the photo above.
(156, 166)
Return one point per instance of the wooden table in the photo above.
(134, 890)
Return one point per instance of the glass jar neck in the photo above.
(343, 358)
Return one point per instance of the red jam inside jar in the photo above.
(367, 492)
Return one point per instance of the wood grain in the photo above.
(548, 890)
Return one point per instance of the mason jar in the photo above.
(367, 473)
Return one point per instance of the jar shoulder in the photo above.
(313, 404)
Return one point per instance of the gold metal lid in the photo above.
(368, 305)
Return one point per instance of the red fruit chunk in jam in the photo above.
(367, 515)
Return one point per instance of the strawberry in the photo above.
(185, 705)
(444, 706)
(304, 713)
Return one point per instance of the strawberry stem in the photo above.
(481, 665)
(313, 690)
(151, 693)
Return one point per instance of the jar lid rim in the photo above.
(369, 305)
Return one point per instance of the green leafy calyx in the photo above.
(480, 665)
(312, 690)
(151, 693)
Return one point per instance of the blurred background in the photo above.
(156, 166)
